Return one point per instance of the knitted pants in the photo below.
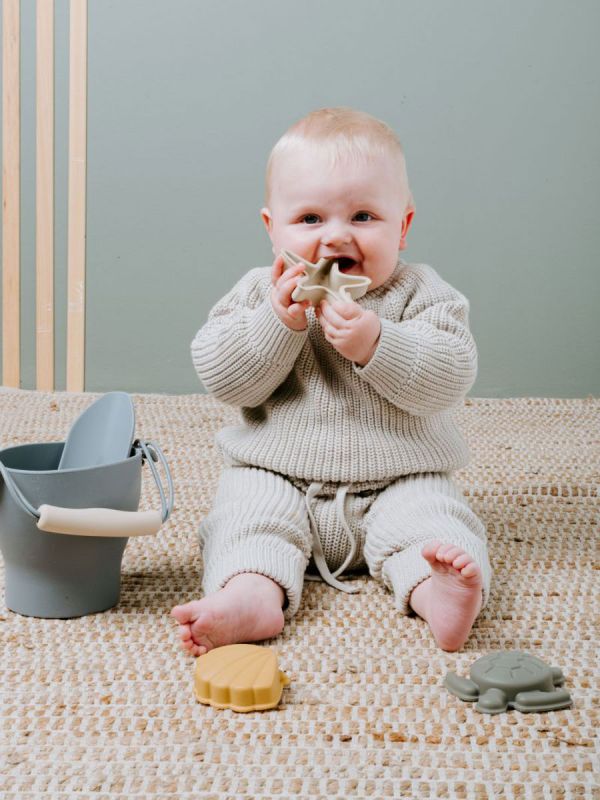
(259, 523)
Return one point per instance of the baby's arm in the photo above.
(244, 351)
(427, 362)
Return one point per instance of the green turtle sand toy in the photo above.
(511, 679)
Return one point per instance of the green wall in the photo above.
(497, 105)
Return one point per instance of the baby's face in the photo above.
(356, 211)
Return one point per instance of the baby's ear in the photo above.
(267, 219)
(406, 223)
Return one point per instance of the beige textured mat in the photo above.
(103, 706)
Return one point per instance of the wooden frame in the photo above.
(77, 175)
(44, 198)
(44, 214)
(11, 193)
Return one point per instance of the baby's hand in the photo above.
(284, 282)
(353, 331)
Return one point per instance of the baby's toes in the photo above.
(203, 630)
(444, 548)
(449, 555)
(470, 571)
(185, 633)
(186, 645)
(430, 550)
(183, 614)
(201, 625)
(461, 560)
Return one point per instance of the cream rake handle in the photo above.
(105, 522)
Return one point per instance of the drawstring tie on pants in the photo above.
(318, 555)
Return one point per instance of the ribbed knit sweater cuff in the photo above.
(272, 339)
(392, 362)
(267, 555)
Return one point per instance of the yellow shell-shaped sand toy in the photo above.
(243, 677)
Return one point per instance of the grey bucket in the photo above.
(76, 572)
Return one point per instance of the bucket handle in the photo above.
(106, 522)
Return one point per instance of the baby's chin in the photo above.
(378, 277)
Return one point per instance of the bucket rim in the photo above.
(137, 454)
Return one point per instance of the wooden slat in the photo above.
(45, 195)
(11, 340)
(76, 204)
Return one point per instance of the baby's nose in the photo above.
(335, 235)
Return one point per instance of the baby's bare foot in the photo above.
(246, 609)
(451, 598)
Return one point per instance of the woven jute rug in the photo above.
(103, 706)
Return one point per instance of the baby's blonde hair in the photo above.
(343, 133)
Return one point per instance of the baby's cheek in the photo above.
(301, 240)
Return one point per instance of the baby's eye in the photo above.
(363, 216)
(310, 219)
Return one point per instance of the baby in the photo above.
(347, 442)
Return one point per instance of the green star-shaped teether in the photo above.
(324, 279)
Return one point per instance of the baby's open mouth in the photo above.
(345, 264)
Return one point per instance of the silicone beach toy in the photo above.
(242, 677)
(102, 434)
(511, 679)
(324, 280)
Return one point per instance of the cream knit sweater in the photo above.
(310, 413)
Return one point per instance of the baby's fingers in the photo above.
(280, 270)
(297, 309)
(277, 269)
(286, 286)
(332, 316)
